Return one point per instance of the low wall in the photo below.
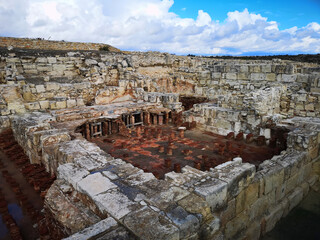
(231, 201)
(36, 43)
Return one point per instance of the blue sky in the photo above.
(287, 13)
(174, 26)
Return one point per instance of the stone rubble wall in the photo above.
(38, 43)
(231, 201)
(43, 81)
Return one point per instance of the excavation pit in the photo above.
(150, 147)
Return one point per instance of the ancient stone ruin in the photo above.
(149, 145)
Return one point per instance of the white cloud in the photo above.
(148, 25)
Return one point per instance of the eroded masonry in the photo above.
(131, 145)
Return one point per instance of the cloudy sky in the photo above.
(175, 26)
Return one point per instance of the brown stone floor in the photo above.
(22, 187)
(197, 149)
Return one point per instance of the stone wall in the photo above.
(38, 43)
(42, 81)
(234, 200)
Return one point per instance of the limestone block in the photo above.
(295, 198)
(167, 197)
(270, 77)
(61, 104)
(41, 60)
(51, 60)
(261, 206)
(176, 178)
(214, 192)
(309, 107)
(231, 76)
(80, 102)
(244, 68)
(237, 176)
(229, 212)
(305, 188)
(63, 59)
(253, 231)
(115, 203)
(44, 104)
(196, 205)
(139, 178)
(209, 230)
(88, 163)
(70, 73)
(258, 76)
(243, 76)
(273, 175)
(44, 68)
(273, 217)
(216, 75)
(82, 85)
(254, 69)
(95, 184)
(59, 68)
(71, 103)
(71, 173)
(66, 213)
(32, 106)
(53, 137)
(105, 225)
(40, 88)
(236, 225)
(187, 223)
(90, 62)
(288, 78)
(52, 86)
(266, 68)
(148, 224)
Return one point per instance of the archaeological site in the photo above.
(98, 143)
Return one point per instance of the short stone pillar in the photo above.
(168, 163)
(161, 149)
(160, 119)
(166, 119)
(105, 128)
(177, 167)
(138, 131)
(197, 165)
(181, 131)
(146, 118)
(172, 135)
(169, 151)
(155, 119)
(87, 132)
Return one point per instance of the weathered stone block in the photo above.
(214, 192)
(187, 223)
(237, 176)
(148, 224)
(95, 184)
(258, 76)
(295, 198)
(71, 173)
(210, 229)
(196, 205)
(114, 203)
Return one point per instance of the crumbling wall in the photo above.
(43, 80)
